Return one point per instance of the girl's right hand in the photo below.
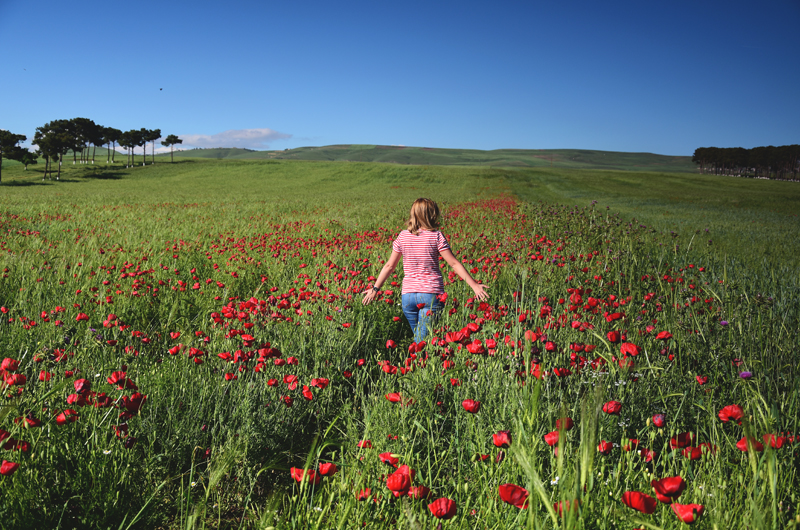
(480, 291)
(369, 296)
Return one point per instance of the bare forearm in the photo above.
(459, 269)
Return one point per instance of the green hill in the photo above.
(563, 158)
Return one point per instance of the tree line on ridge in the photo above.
(760, 162)
(80, 136)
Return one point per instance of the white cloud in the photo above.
(244, 138)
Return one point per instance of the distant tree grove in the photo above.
(81, 136)
(763, 162)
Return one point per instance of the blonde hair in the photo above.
(424, 215)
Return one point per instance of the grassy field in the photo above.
(557, 158)
(185, 347)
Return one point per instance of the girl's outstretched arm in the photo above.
(478, 288)
(387, 269)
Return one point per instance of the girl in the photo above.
(420, 247)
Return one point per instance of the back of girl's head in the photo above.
(424, 215)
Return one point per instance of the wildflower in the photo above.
(668, 489)
(471, 406)
(688, 513)
(513, 494)
(443, 508)
(502, 439)
(731, 412)
(612, 407)
(640, 502)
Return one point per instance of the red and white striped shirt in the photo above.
(420, 252)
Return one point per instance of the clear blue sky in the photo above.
(662, 77)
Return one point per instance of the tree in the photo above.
(111, 136)
(126, 140)
(169, 141)
(29, 158)
(152, 136)
(142, 136)
(8, 145)
(54, 140)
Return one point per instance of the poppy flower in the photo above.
(398, 483)
(692, 453)
(320, 382)
(659, 420)
(502, 439)
(701, 379)
(551, 438)
(629, 349)
(419, 492)
(639, 501)
(68, 415)
(327, 469)
(15, 380)
(10, 365)
(774, 441)
(391, 344)
(688, 513)
(684, 439)
(731, 412)
(664, 335)
(612, 407)
(513, 494)
(604, 447)
(307, 393)
(363, 494)
(133, 403)
(364, 444)
(471, 406)
(8, 468)
(394, 397)
(668, 489)
(565, 424)
(389, 458)
(300, 474)
(754, 444)
(443, 508)
(82, 386)
(45, 376)
(565, 506)
(613, 336)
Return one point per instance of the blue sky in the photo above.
(662, 77)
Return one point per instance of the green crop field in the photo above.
(184, 346)
(558, 158)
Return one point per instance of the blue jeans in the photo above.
(418, 317)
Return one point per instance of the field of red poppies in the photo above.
(168, 363)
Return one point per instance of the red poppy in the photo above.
(502, 439)
(754, 444)
(692, 453)
(664, 335)
(391, 344)
(684, 439)
(659, 420)
(604, 447)
(471, 406)
(443, 508)
(612, 407)
(565, 424)
(639, 501)
(774, 441)
(613, 336)
(389, 458)
(364, 494)
(630, 349)
(133, 403)
(15, 380)
(394, 397)
(513, 494)
(688, 513)
(668, 489)
(364, 444)
(300, 474)
(419, 492)
(551, 438)
(307, 393)
(327, 469)
(398, 483)
(45, 376)
(8, 468)
(731, 412)
(82, 386)
(68, 415)
(320, 382)
(10, 365)
(565, 506)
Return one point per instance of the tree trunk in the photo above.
(58, 176)
(94, 150)
(154, 151)
(171, 158)
(113, 150)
